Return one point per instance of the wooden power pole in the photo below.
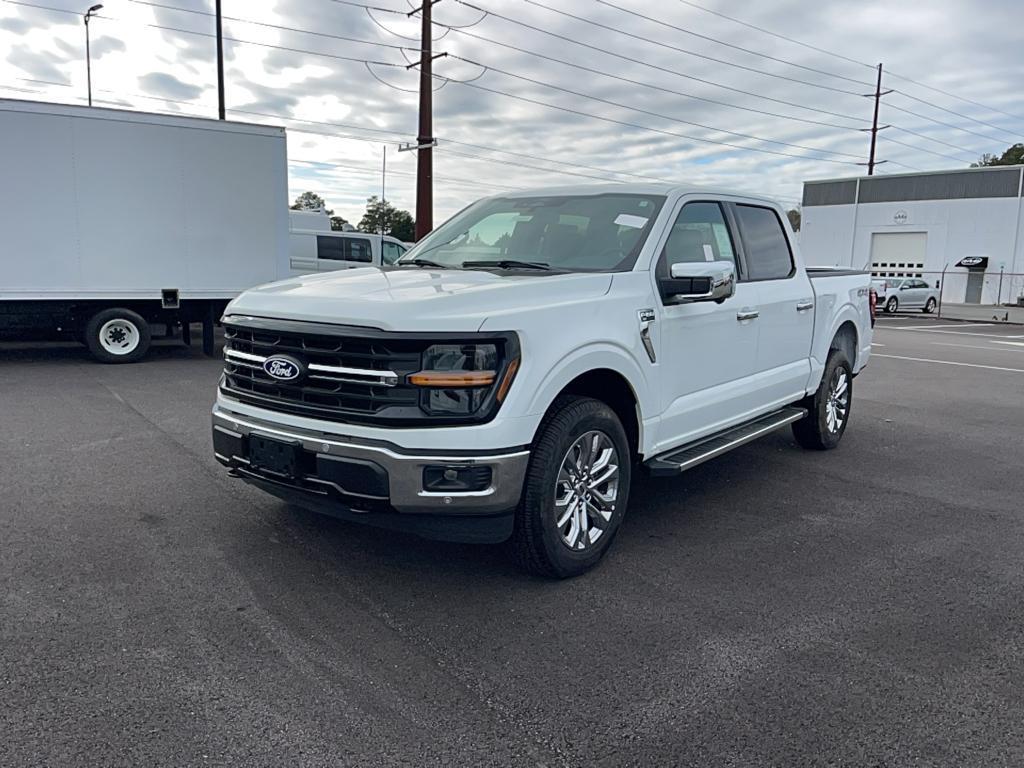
(878, 94)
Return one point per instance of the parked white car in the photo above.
(896, 293)
(314, 247)
(510, 375)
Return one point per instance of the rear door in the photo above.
(786, 305)
(342, 252)
(707, 350)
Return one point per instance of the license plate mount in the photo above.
(277, 457)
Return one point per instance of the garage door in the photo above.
(898, 254)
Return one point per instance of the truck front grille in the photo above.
(351, 378)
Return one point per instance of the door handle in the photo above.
(803, 306)
(747, 314)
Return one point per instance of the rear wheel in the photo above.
(892, 305)
(117, 335)
(828, 410)
(576, 490)
(929, 306)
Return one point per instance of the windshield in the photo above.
(592, 233)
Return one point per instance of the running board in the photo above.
(681, 459)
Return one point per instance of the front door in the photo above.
(786, 308)
(707, 350)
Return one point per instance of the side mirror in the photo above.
(700, 281)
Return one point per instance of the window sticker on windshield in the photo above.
(629, 220)
(709, 253)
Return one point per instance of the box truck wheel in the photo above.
(117, 336)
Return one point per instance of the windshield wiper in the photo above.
(424, 263)
(508, 264)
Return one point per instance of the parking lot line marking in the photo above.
(950, 362)
(1010, 343)
(977, 346)
(951, 333)
(954, 325)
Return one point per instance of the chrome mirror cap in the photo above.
(702, 281)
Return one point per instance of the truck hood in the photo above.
(416, 299)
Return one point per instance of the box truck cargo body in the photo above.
(112, 221)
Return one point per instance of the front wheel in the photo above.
(828, 408)
(892, 305)
(576, 490)
(929, 306)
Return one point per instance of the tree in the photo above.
(310, 201)
(398, 224)
(1013, 155)
(793, 214)
(338, 223)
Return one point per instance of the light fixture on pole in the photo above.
(88, 63)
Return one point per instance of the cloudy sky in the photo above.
(541, 92)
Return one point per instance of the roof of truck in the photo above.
(634, 188)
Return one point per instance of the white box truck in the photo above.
(114, 221)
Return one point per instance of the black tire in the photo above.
(129, 324)
(892, 305)
(929, 306)
(536, 544)
(814, 431)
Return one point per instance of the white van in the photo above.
(314, 247)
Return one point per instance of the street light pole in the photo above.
(88, 62)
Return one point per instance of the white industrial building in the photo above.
(962, 228)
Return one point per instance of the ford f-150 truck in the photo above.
(512, 374)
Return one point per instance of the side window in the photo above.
(358, 249)
(391, 252)
(767, 250)
(332, 248)
(698, 234)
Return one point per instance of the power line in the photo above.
(670, 47)
(954, 112)
(898, 108)
(787, 62)
(275, 26)
(651, 129)
(776, 34)
(864, 64)
(656, 67)
(674, 92)
(650, 112)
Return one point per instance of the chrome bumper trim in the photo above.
(405, 471)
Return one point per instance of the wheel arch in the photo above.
(846, 339)
(615, 391)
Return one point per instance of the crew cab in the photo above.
(514, 373)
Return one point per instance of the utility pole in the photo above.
(220, 63)
(425, 139)
(878, 94)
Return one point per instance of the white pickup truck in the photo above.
(510, 375)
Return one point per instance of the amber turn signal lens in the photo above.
(452, 378)
(506, 382)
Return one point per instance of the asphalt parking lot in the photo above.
(775, 607)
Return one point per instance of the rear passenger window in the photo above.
(332, 248)
(767, 250)
(358, 249)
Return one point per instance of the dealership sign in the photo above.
(973, 262)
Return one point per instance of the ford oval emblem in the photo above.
(282, 368)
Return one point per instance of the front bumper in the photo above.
(377, 482)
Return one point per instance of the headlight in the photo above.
(458, 378)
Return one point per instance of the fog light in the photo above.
(456, 478)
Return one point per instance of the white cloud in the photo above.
(968, 48)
